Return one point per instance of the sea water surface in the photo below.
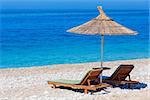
(38, 37)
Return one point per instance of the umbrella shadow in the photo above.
(139, 85)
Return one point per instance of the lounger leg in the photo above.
(54, 86)
(85, 91)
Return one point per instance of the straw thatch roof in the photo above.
(102, 24)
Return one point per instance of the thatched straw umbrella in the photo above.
(102, 25)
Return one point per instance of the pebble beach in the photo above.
(31, 83)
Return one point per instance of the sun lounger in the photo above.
(89, 82)
(120, 75)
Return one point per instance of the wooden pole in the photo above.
(102, 54)
(102, 50)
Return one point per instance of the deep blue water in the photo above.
(39, 37)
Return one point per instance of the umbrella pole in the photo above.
(102, 50)
(102, 54)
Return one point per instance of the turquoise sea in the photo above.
(38, 37)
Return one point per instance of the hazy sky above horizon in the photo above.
(73, 4)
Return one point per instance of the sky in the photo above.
(73, 4)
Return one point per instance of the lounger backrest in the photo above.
(122, 72)
(91, 75)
